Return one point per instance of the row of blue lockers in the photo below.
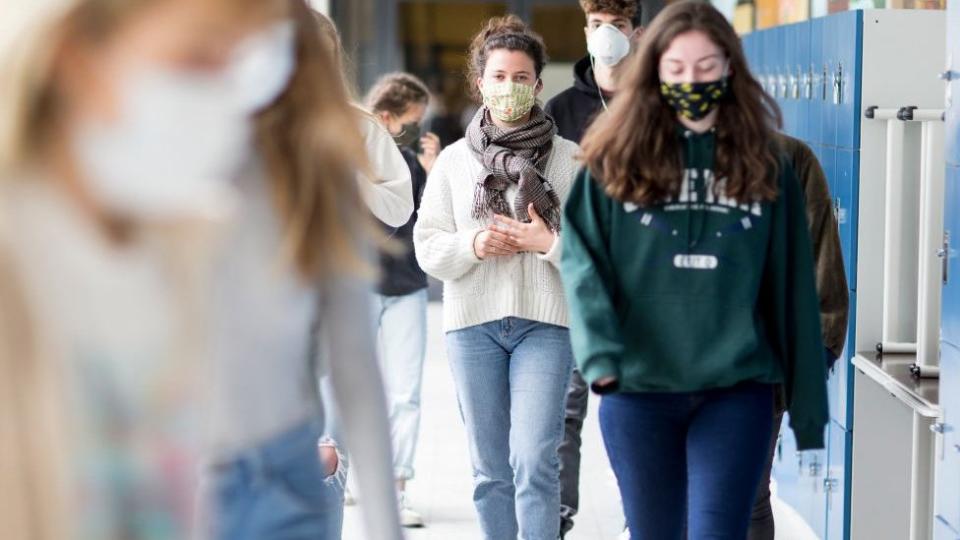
(812, 69)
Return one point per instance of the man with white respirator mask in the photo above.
(612, 26)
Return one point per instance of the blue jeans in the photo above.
(278, 492)
(402, 325)
(511, 377)
(695, 457)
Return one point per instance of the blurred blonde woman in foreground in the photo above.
(120, 122)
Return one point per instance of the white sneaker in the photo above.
(409, 518)
(625, 535)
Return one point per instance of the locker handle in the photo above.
(830, 484)
(838, 85)
(944, 255)
(941, 428)
(823, 83)
(948, 75)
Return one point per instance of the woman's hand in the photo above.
(603, 384)
(491, 243)
(430, 149)
(534, 236)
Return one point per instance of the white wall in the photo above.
(557, 77)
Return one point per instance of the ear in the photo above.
(637, 32)
(537, 88)
(480, 84)
(586, 32)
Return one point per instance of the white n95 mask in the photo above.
(608, 45)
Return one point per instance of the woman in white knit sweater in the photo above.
(489, 227)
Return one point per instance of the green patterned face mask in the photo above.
(508, 101)
(694, 100)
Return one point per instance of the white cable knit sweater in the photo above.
(478, 291)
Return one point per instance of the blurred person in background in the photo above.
(121, 122)
(385, 186)
(291, 302)
(399, 101)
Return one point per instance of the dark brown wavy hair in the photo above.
(633, 149)
(510, 33)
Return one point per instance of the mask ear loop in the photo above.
(593, 66)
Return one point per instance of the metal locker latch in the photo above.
(940, 428)
(808, 85)
(815, 469)
(795, 83)
(838, 85)
(830, 485)
(782, 79)
(944, 254)
(823, 82)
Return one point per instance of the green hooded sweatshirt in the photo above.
(698, 292)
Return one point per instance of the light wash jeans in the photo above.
(402, 329)
(278, 492)
(511, 377)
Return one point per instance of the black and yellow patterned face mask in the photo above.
(694, 100)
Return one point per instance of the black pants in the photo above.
(576, 411)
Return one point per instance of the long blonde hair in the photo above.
(313, 147)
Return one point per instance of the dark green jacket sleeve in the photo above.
(827, 255)
(587, 271)
(791, 296)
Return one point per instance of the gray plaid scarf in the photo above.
(516, 156)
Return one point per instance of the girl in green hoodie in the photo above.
(688, 267)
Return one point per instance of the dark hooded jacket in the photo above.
(575, 108)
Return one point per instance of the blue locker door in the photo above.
(948, 481)
(836, 484)
(779, 58)
(947, 500)
(786, 99)
(846, 96)
(770, 53)
(750, 50)
(800, 479)
(786, 465)
(801, 68)
(942, 531)
(840, 378)
(831, 27)
(950, 315)
(845, 206)
(815, 105)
